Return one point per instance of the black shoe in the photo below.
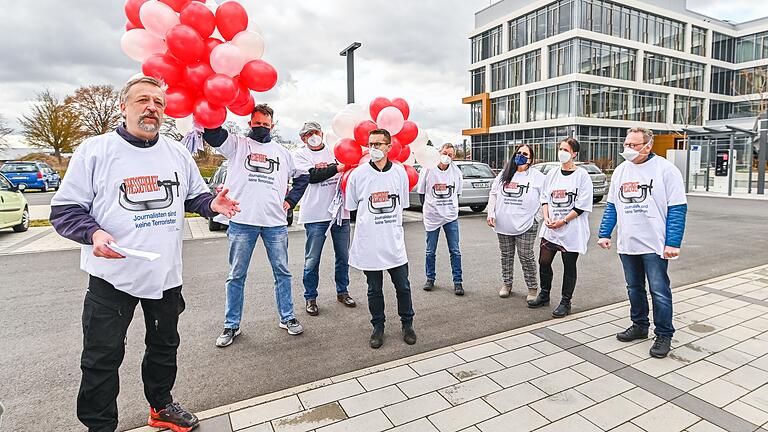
(172, 417)
(458, 289)
(377, 338)
(346, 300)
(661, 347)
(409, 336)
(541, 300)
(312, 307)
(562, 310)
(634, 332)
(429, 285)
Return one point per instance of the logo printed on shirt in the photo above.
(562, 198)
(442, 190)
(514, 189)
(382, 202)
(260, 163)
(132, 186)
(634, 192)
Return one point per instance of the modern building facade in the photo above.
(544, 70)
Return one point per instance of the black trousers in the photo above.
(107, 312)
(399, 276)
(547, 254)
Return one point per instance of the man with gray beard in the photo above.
(129, 189)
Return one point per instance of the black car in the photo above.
(216, 184)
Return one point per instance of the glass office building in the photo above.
(544, 70)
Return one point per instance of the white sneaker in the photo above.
(505, 291)
(293, 326)
(532, 294)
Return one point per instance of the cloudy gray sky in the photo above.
(417, 50)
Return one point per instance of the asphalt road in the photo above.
(36, 197)
(41, 302)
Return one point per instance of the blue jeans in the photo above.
(314, 249)
(242, 240)
(399, 276)
(653, 267)
(452, 235)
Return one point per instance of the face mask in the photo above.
(521, 160)
(563, 156)
(376, 154)
(314, 141)
(260, 134)
(445, 159)
(631, 154)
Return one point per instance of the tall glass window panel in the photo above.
(532, 66)
(688, 110)
(476, 115)
(478, 81)
(565, 16)
(698, 41)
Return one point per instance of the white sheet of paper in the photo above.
(133, 253)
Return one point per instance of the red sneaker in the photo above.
(173, 417)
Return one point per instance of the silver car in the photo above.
(599, 179)
(476, 187)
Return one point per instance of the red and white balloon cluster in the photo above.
(352, 125)
(208, 55)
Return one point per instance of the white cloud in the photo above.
(733, 10)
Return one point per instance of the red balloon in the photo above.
(402, 105)
(220, 89)
(377, 105)
(231, 19)
(394, 152)
(365, 159)
(185, 44)
(196, 74)
(179, 102)
(408, 133)
(130, 26)
(405, 153)
(177, 5)
(243, 94)
(199, 17)
(345, 179)
(362, 130)
(208, 115)
(131, 8)
(244, 109)
(164, 67)
(210, 44)
(413, 176)
(258, 75)
(347, 151)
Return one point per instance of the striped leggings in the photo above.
(524, 243)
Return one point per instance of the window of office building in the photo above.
(748, 108)
(561, 58)
(550, 102)
(698, 41)
(505, 110)
(507, 73)
(751, 47)
(719, 110)
(689, 110)
(542, 23)
(599, 101)
(648, 107)
(476, 115)
(486, 44)
(673, 72)
(722, 47)
(610, 61)
(477, 83)
(533, 66)
(751, 81)
(620, 21)
(722, 81)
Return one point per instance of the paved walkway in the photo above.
(561, 375)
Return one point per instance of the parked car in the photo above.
(216, 184)
(33, 174)
(599, 179)
(14, 210)
(478, 178)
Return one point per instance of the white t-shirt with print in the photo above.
(441, 190)
(318, 196)
(257, 176)
(137, 196)
(562, 194)
(642, 193)
(379, 198)
(517, 202)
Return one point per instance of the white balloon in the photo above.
(359, 112)
(227, 59)
(252, 26)
(330, 139)
(251, 44)
(343, 125)
(421, 140)
(427, 157)
(139, 44)
(158, 18)
(391, 119)
(411, 159)
(184, 125)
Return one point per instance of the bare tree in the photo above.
(52, 125)
(169, 129)
(5, 130)
(234, 128)
(278, 138)
(98, 107)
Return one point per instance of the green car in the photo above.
(14, 210)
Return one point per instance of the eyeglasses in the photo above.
(634, 145)
(377, 144)
(523, 154)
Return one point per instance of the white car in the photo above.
(478, 178)
(14, 210)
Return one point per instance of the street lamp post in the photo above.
(349, 53)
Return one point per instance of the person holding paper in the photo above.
(130, 188)
(647, 201)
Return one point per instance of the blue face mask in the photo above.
(520, 160)
(260, 134)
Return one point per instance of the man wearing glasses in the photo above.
(378, 191)
(647, 201)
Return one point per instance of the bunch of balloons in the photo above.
(352, 125)
(209, 55)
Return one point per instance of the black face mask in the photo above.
(260, 134)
